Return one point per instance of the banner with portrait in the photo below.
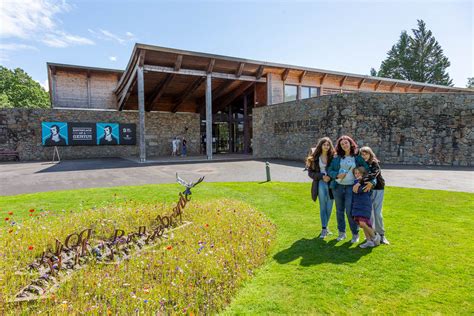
(87, 134)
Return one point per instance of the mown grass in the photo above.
(428, 268)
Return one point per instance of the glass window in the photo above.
(290, 93)
(314, 92)
(305, 92)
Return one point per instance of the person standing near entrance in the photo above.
(317, 163)
(174, 144)
(184, 148)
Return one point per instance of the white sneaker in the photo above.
(341, 236)
(367, 244)
(323, 234)
(377, 239)
(355, 238)
(384, 240)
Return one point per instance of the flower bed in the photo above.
(196, 270)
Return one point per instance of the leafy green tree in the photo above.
(416, 58)
(470, 83)
(19, 90)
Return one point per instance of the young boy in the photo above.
(362, 210)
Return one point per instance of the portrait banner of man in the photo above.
(54, 134)
(107, 134)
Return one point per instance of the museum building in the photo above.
(220, 91)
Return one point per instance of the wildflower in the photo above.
(169, 247)
(10, 213)
(207, 225)
(30, 247)
(32, 210)
(145, 301)
(7, 218)
(10, 231)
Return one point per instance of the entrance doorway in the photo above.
(231, 128)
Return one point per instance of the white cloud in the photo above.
(112, 58)
(62, 39)
(14, 46)
(109, 36)
(36, 20)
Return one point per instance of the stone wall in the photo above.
(429, 129)
(20, 129)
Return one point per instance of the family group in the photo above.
(352, 178)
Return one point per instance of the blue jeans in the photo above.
(343, 197)
(325, 203)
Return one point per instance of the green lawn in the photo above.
(428, 268)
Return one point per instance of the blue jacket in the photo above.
(361, 203)
(336, 165)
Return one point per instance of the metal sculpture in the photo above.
(188, 185)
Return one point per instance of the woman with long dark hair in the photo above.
(317, 163)
(342, 180)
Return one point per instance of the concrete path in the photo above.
(29, 177)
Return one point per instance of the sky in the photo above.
(347, 36)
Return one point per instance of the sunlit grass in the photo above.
(428, 268)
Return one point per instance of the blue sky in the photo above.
(348, 36)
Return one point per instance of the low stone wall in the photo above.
(428, 129)
(20, 129)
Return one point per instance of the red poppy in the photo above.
(169, 247)
(10, 213)
(32, 210)
(7, 218)
(207, 225)
(30, 248)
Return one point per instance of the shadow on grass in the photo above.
(316, 251)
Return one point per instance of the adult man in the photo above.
(108, 138)
(55, 139)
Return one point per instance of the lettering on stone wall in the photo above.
(300, 126)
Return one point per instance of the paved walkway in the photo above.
(29, 177)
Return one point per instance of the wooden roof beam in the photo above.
(303, 74)
(393, 86)
(210, 66)
(406, 88)
(234, 94)
(216, 93)
(159, 90)
(259, 73)
(322, 79)
(189, 91)
(360, 83)
(200, 73)
(127, 89)
(341, 83)
(178, 63)
(239, 71)
(377, 85)
(285, 74)
(422, 89)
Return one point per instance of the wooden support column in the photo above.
(88, 89)
(246, 126)
(269, 89)
(231, 131)
(209, 116)
(141, 110)
(53, 87)
(298, 92)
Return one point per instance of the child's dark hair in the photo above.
(310, 160)
(354, 148)
(369, 151)
(361, 170)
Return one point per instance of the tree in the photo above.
(470, 83)
(416, 58)
(19, 90)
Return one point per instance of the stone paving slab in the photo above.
(30, 177)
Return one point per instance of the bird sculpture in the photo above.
(188, 185)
